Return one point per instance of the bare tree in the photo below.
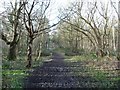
(35, 22)
(13, 19)
(118, 56)
(94, 23)
(118, 13)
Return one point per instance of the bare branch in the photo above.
(5, 39)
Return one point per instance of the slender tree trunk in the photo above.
(100, 51)
(38, 53)
(114, 45)
(76, 45)
(118, 55)
(82, 46)
(12, 51)
(29, 54)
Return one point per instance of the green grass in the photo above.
(14, 72)
(100, 75)
(84, 57)
(13, 78)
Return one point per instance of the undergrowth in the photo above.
(14, 72)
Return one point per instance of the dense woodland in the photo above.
(83, 28)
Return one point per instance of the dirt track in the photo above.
(59, 74)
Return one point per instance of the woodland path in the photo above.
(59, 74)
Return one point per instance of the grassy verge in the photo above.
(103, 70)
(13, 78)
(103, 79)
(14, 72)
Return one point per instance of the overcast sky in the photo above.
(64, 3)
(55, 5)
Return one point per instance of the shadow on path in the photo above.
(58, 74)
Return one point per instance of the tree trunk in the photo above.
(118, 55)
(76, 45)
(82, 46)
(100, 51)
(12, 51)
(38, 53)
(29, 54)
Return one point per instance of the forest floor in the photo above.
(60, 73)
